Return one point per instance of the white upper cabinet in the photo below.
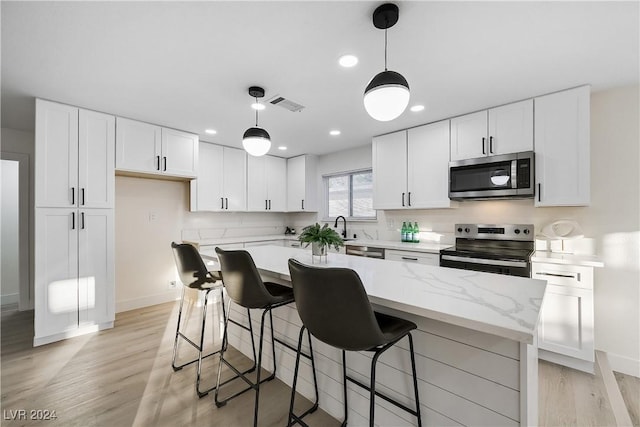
(74, 157)
(562, 145)
(302, 184)
(390, 171)
(428, 166)
(500, 130)
(266, 183)
(221, 182)
(410, 168)
(150, 149)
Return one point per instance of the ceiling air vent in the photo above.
(283, 102)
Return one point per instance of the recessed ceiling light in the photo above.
(348, 61)
(334, 132)
(257, 106)
(282, 147)
(211, 131)
(417, 108)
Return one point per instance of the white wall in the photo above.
(10, 272)
(612, 222)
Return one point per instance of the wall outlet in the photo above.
(173, 284)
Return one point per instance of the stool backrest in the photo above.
(334, 306)
(242, 279)
(191, 268)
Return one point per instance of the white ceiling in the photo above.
(188, 65)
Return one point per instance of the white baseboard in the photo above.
(132, 304)
(9, 299)
(624, 365)
(70, 334)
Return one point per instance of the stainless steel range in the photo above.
(492, 248)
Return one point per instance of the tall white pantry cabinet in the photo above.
(74, 234)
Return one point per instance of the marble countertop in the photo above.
(567, 259)
(242, 239)
(505, 306)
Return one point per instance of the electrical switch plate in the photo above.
(173, 284)
(153, 216)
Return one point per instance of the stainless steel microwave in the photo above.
(502, 176)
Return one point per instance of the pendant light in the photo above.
(387, 94)
(256, 141)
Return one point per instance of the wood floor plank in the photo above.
(122, 377)
(630, 389)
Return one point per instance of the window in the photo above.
(350, 195)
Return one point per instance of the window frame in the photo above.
(350, 174)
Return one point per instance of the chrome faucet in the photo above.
(344, 230)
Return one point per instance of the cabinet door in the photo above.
(511, 128)
(56, 170)
(276, 170)
(390, 171)
(257, 184)
(562, 148)
(138, 146)
(206, 190)
(96, 148)
(96, 286)
(56, 271)
(428, 166)
(179, 153)
(235, 179)
(469, 136)
(566, 322)
(295, 183)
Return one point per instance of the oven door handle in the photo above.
(499, 262)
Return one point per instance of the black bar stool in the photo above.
(194, 275)
(334, 307)
(245, 287)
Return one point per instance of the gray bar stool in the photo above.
(334, 308)
(245, 287)
(194, 275)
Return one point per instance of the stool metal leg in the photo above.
(344, 386)
(175, 343)
(415, 379)
(293, 418)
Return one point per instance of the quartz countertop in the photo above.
(567, 259)
(430, 247)
(242, 239)
(505, 306)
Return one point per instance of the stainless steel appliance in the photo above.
(492, 248)
(502, 176)
(365, 251)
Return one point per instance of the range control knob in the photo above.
(517, 231)
(466, 230)
(459, 229)
(526, 231)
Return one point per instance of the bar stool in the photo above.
(245, 287)
(335, 309)
(194, 275)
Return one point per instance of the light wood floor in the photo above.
(122, 377)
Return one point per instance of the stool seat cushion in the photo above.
(393, 328)
(279, 292)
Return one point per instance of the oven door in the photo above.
(509, 267)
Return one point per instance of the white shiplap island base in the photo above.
(476, 354)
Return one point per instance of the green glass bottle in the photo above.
(416, 233)
(403, 232)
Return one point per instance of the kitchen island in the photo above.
(475, 349)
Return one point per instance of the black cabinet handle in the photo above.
(491, 145)
(409, 198)
(539, 191)
(165, 164)
(226, 200)
(302, 204)
(269, 204)
(82, 220)
(266, 204)
(402, 199)
(483, 150)
(221, 202)
(82, 192)
(73, 220)
(157, 162)
(409, 258)
(73, 195)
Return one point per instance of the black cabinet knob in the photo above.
(466, 230)
(517, 231)
(526, 231)
(459, 229)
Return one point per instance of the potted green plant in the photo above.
(320, 237)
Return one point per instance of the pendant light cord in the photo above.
(256, 112)
(385, 49)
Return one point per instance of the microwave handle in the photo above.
(514, 174)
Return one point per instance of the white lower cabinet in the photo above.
(74, 272)
(565, 332)
(264, 243)
(411, 256)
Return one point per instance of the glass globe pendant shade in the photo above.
(256, 141)
(386, 96)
